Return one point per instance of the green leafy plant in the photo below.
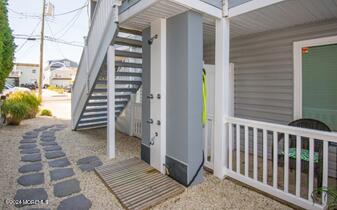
(15, 111)
(7, 45)
(30, 99)
(46, 112)
(329, 194)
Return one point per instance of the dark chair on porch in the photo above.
(318, 148)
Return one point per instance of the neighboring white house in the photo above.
(63, 77)
(24, 73)
(60, 72)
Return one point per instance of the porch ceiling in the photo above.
(284, 14)
(166, 9)
(277, 16)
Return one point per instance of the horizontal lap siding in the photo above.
(264, 70)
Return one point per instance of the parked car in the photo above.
(68, 88)
(8, 89)
(31, 86)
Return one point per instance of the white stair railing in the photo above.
(102, 31)
(248, 140)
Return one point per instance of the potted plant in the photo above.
(330, 195)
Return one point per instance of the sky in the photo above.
(71, 27)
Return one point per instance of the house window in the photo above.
(315, 80)
(34, 71)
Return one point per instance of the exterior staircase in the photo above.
(128, 80)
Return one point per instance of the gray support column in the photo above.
(146, 80)
(184, 97)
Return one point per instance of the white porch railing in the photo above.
(102, 31)
(243, 142)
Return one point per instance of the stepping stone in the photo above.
(90, 166)
(31, 158)
(47, 136)
(42, 128)
(54, 154)
(30, 151)
(61, 173)
(30, 194)
(27, 146)
(31, 133)
(87, 160)
(66, 188)
(59, 163)
(48, 143)
(52, 148)
(34, 167)
(31, 179)
(25, 141)
(79, 202)
(48, 133)
(48, 139)
(89, 163)
(29, 137)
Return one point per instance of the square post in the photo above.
(222, 93)
(111, 150)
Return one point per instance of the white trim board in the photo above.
(201, 7)
(250, 6)
(297, 52)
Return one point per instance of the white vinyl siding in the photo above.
(264, 71)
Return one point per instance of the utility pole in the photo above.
(41, 47)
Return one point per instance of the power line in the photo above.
(67, 24)
(21, 13)
(74, 10)
(48, 38)
(31, 34)
(57, 45)
(71, 23)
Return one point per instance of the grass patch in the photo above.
(56, 89)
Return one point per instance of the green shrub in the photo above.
(46, 112)
(28, 98)
(7, 45)
(14, 111)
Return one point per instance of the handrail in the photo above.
(321, 135)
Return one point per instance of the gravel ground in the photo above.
(211, 194)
